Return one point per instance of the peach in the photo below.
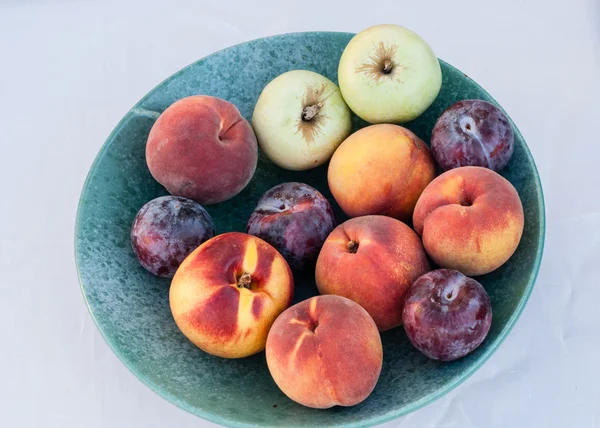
(471, 220)
(228, 292)
(325, 351)
(201, 148)
(380, 169)
(372, 260)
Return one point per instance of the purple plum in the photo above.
(472, 133)
(166, 230)
(295, 218)
(446, 314)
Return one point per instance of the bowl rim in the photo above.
(381, 418)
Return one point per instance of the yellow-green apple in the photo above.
(300, 119)
(387, 73)
(228, 292)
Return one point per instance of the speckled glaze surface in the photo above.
(131, 307)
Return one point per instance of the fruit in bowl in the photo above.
(228, 292)
(296, 219)
(387, 73)
(202, 148)
(372, 260)
(167, 229)
(446, 315)
(300, 119)
(381, 169)
(127, 303)
(325, 352)
(472, 133)
(471, 219)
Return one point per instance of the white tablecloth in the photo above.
(69, 69)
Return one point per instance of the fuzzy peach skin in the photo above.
(471, 219)
(380, 169)
(372, 260)
(201, 148)
(325, 351)
(228, 292)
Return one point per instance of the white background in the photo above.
(69, 70)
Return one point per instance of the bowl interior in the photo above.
(131, 307)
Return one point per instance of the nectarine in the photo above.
(227, 293)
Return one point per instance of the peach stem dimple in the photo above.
(352, 246)
(466, 202)
(245, 280)
(310, 324)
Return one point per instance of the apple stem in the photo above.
(387, 66)
(245, 280)
(353, 246)
(309, 112)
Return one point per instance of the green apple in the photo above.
(300, 119)
(388, 74)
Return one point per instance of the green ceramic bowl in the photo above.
(131, 307)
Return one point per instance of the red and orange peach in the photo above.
(325, 351)
(471, 219)
(201, 148)
(381, 169)
(228, 292)
(372, 260)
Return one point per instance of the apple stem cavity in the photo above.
(309, 112)
(353, 247)
(387, 66)
(245, 280)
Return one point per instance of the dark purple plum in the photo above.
(472, 133)
(166, 230)
(296, 219)
(446, 314)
